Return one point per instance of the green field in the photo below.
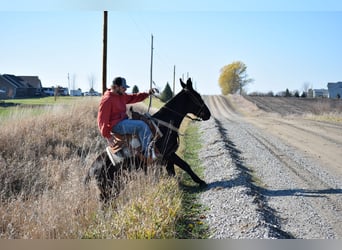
(16, 105)
(45, 100)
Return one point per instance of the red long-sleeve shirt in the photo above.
(112, 109)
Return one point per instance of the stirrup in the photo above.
(153, 152)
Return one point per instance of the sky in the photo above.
(284, 44)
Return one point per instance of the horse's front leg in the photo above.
(185, 166)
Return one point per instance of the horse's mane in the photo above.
(171, 111)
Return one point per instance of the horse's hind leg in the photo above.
(103, 171)
(170, 168)
(105, 193)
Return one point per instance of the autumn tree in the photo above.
(233, 78)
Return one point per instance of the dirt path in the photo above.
(295, 163)
(322, 140)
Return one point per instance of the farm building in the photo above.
(335, 90)
(320, 93)
(12, 86)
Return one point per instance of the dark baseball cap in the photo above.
(120, 81)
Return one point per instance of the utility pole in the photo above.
(174, 75)
(104, 59)
(151, 78)
(151, 61)
(68, 83)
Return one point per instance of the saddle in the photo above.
(128, 145)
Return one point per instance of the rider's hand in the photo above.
(151, 91)
(110, 141)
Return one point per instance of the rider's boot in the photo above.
(115, 157)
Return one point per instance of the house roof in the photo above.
(334, 84)
(13, 80)
(22, 81)
(32, 80)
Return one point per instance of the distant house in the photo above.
(320, 93)
(48, 91)
(12, 86)
(51, 91)
(63, 91)
(335, 90)
(76, 92)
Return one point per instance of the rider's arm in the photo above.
(137, 97)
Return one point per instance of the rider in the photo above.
(112, 115)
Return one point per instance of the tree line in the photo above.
(234, 78)
(165, 95)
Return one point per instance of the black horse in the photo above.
(170, 117)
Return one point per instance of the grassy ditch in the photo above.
(191, 224)
(43, 160)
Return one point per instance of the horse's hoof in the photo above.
(203, 184)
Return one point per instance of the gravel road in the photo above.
(261, 186)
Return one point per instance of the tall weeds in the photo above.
(43, 160)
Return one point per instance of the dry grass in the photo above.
(325, 116)
(146, 209)
(44, 156)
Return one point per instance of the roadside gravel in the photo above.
(259, 187)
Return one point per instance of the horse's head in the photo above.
(195, 104)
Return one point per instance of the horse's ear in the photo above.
(189, 84)
(182, 83)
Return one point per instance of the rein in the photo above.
(149, 105)
(187, 116)
(167, 125)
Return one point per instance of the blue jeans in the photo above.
(136, 127)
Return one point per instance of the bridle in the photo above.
(201, 104)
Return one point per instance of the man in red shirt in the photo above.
(112, 115)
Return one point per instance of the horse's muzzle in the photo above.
(205, 114)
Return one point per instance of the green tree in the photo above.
(167, 93)
(287, 93)
(233, 78)
(135, 89)
(296, 94)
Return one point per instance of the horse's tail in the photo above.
(94, 170)
(87, 178)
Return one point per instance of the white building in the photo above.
(320, 93)
(76, 92)
(335, 90)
